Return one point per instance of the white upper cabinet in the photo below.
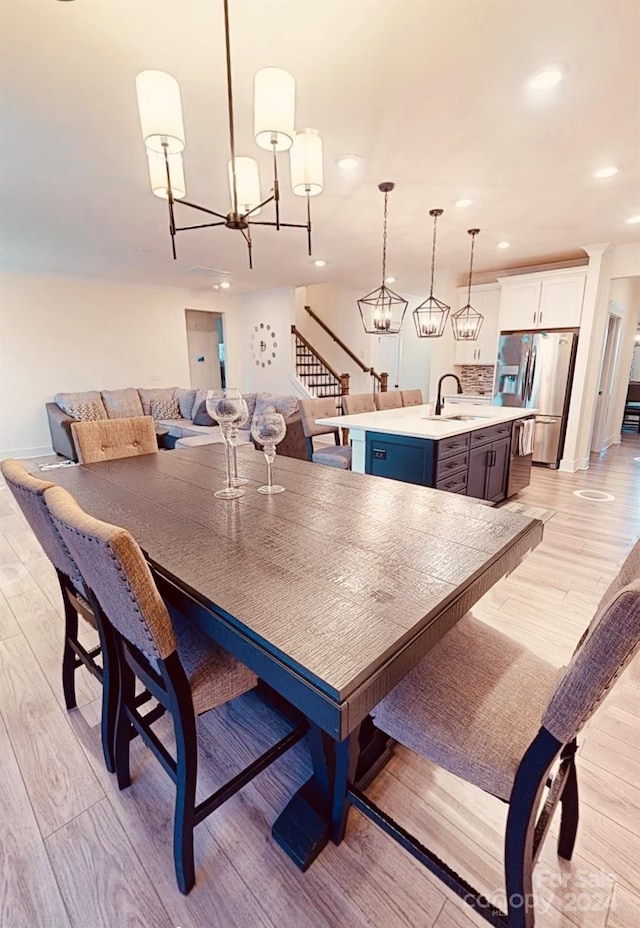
(551, 300)
(486, 299)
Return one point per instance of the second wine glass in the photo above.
(268, 430)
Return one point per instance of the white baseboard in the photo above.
(570, 467)
(26, 452)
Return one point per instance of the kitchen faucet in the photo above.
(439, 399)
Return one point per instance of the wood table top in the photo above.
(332, 577)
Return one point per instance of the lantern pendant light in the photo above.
(467, 322)
(382, 311)
(160, 109)
(431, 316)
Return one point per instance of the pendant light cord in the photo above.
(473, 234)
(384, 239)
(232, 140)
(433, 254)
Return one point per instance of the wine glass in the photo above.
(235, 426)
(268, 430)
(226, 406)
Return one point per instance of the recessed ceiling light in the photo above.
(632, 220)
(225, 284)
(503, 244)
(348, 162)
(462, 203)
(608, 171)
(389, 280)
(546, 79)
(319, 262)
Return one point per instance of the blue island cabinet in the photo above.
(475, 463)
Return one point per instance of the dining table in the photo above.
(331, 592)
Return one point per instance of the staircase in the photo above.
(380, 381)
(319, 378)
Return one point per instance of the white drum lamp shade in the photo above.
(307, 176)
(247, 184)
(158, 175)
(160, 109)
(274, 109)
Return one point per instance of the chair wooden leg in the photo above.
(187, 770)
(110, 692)
(69, 657)
(126, 686)
(346, 762)
(569, 814)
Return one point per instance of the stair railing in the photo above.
(381, 381)
(317, 375)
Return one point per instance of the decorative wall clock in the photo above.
(263, 345)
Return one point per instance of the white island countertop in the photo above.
(417, 422)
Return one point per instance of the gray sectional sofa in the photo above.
(178, 412)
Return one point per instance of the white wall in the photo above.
(63, 334)
(274, 308)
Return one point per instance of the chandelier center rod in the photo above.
(232, 139)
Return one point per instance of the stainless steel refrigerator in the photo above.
(535, 371)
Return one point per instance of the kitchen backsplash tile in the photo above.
(476, 378)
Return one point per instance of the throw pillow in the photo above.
(165, 409)
(84, 412)
(250, 400)
(186, 399)
(200, 415)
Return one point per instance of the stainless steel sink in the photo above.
(466, 418)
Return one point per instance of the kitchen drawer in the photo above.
(452, 465)
(454, 484)
(492, 433)
(453, 445)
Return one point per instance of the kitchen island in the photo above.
(468, 449)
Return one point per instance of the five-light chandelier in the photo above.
(160, 108)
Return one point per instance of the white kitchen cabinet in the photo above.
(485, 298)
(548, 300)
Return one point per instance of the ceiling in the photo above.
(431, 94)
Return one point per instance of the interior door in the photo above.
(387, 354)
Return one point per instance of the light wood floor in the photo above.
(75, 851)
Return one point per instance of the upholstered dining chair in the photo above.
(411, 397)
(29, 493)
(184, 669)
(332, 455)
(390, 400)
(494, 714)
(354, 403)
(106, 439)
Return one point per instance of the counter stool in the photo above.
(496, 715)
(338, 456)
(184, 669)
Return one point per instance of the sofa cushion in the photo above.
(122, 404)
(186, 399)
(266, 402)
(155, 393)
(165, 409)
(84, 412)
(65, 400)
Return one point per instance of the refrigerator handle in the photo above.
(534, 356)
(525, 378)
